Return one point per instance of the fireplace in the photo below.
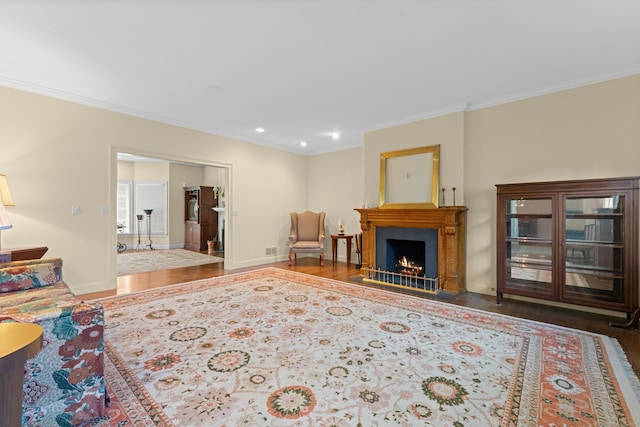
(420, 249)
(405, 257)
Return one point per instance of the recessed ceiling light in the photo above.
(335, 136)
(259, 130)
(303, 143)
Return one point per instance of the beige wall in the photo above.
(57, 154)
(335, 186)
(446, 131)
(588, 132)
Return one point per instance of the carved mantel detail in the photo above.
(451, 223)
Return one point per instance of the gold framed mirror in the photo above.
(410, 178)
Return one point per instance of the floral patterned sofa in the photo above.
(64, 383)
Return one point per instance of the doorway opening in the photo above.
(166, 226)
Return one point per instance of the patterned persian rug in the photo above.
(278, 348)
(145, 261)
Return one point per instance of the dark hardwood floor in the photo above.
(629, 339)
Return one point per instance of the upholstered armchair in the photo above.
(307, 234)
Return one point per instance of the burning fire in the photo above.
(408, 267)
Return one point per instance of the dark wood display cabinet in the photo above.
(201, 221)
(570, 241)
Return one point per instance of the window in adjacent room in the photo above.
(152, 195)
(132, 200)
(125, 207)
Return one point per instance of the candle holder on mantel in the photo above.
(453, 191)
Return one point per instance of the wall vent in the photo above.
(271, 251)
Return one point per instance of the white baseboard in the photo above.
(88, 288)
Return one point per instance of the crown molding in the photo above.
(462, 107)
(417, 117)
(120, 109)
(519, 96)
(547, 90)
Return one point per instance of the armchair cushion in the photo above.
(307, 245)
(308, 226)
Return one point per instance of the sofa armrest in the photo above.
(22, 275)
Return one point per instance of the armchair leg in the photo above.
(295, 257)
(321, 260)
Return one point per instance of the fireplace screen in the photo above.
(402, 280)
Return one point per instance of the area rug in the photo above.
(273, 347)
(152, 260)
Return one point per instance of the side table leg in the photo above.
(334, 250)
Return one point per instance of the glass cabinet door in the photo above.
(570, 241)
(529, 249)
(594, 258)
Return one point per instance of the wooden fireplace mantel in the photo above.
(451, 223)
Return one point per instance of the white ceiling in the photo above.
(302, 69)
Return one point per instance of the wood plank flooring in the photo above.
(629, 339)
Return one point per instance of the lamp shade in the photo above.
(4, 219)
(5, 194)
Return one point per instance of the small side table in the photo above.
(22, 254)
(18, 342)
(334, 246)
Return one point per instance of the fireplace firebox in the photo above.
(406, 256)
(420, 249)
(418, 245)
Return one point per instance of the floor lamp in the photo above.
(139, 246)
(149, 242)
(5, 224)
(6, 199)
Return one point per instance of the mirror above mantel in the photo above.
(410, 178)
